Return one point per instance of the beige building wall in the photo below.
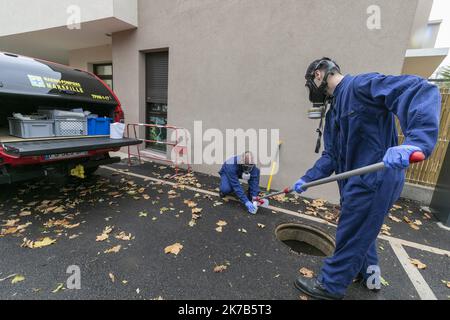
(240, 64)
(84, 59)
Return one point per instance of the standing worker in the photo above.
(359, 131)
(240, 167)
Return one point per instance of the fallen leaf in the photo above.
(384, 282)
(58, 288)
(407, 220)
(190, 203)
(414, 226)
(18, 278)
(418, 264)
(385, 230)
(143, 214)
(37, 244)
(112, 277)
(105, 234)
(306, 272)
(196, 210)
(192, 223)
(174, 249)
(249, 255)
(11, 223)
(395, 219)
(221, 223)
(304, 298)
(260, 225)
(114, 249)
(123, 236)
(219, 229)
(219, 269)
(242, 230)
(25, 213)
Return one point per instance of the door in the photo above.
(157, 78)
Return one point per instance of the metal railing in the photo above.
(179, 147)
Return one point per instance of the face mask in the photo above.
(247, 169)
(317, 95)
(246, 176)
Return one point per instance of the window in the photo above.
(157, 76)
(105, 72)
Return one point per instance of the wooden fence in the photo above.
(427, 173)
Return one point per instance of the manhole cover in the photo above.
(306, 239)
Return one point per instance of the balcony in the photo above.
(50, 29)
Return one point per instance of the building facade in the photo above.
(229, 64)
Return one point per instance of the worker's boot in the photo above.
(313, 288)
(360, 279)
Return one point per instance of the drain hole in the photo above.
(306, 239)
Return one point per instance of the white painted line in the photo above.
(441, 225)
(422, 287)
(286, 211)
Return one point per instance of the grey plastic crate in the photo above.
(70, 127)
(61, 114)
(31, 128)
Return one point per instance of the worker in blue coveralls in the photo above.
(360, 130)
(234, 169)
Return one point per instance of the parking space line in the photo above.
(285, 211)
(422, 287)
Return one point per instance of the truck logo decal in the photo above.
(36, 81)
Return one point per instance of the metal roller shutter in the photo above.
(157, 75)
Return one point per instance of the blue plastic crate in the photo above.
(99, 126)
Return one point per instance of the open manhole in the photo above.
(306, 239)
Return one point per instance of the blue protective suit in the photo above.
(359, 129)
(230, 174)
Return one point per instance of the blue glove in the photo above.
(298, 187)
(398, 157)
(250, 207)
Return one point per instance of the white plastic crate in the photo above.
(31, 128)
(69, 127)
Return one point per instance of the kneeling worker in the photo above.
(240, 167)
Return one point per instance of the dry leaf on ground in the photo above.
(174, 249)
(305, 272)
(37, 244)
(123, 236)
(418, 264)
(113, 249)
(219, 269)
(105, 234)
(221, 223)
(18, 278)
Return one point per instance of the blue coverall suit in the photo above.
(230, 174)
(359, 129)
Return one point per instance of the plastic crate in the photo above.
(31, 128)
(99, 126)
(61, 114)
(69, 127)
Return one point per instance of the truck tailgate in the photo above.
(41, 148)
